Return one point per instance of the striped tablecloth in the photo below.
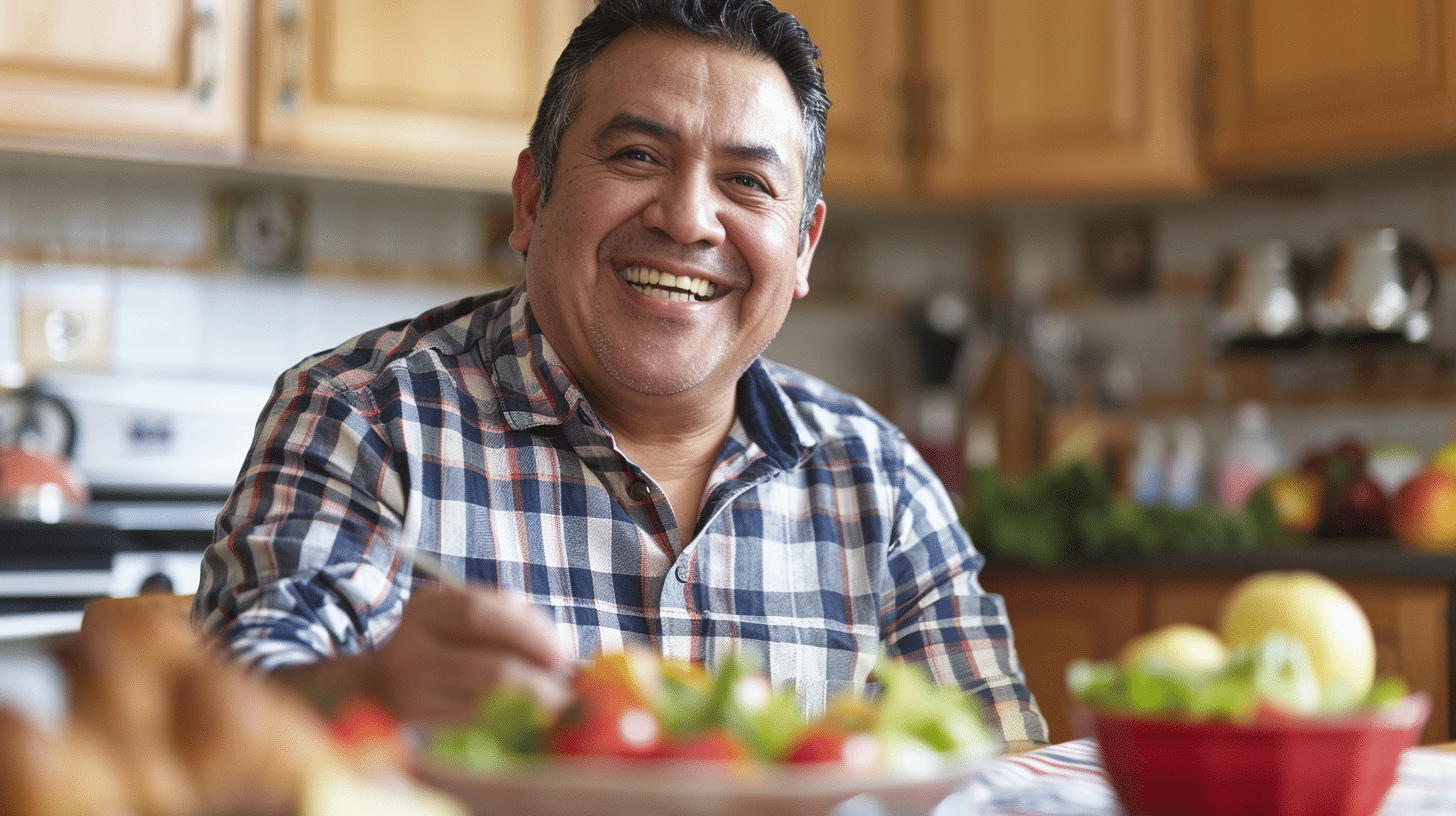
(1067, 779)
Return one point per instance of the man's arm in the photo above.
(305, 580)
(452, 646)
(943, 619)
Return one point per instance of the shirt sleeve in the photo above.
(304, 555)
(941, 618)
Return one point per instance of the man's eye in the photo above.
(635, 154)
(749, 182)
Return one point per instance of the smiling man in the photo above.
(600, 453)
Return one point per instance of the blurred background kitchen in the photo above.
(1059, 229)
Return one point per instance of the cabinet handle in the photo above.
(290, 46)
(204, 50)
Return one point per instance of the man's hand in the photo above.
(453, 645)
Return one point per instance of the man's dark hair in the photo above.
(752, 26)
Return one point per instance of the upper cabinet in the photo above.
(1308, 82)
(141, 79)
(933, 100)
(863, 45)
(434, 91)
(951, 100)
(1049, 97)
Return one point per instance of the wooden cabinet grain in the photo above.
(1054, 614)
(1058, 98)
(973, 100)
(440, 92)
(1309, 82)
(145, 79)
(863, 48)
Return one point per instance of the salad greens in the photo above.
(1274, 675)
(729, 713)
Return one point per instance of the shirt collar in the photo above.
(536, 388)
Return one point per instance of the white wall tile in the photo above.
(160, 323)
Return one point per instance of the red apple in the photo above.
(1358, 509)
(1423, 513)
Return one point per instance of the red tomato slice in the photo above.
(710, 745)
(606, 725)
(858, 750)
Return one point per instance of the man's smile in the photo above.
(665, 285)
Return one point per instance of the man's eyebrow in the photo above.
(633, 123)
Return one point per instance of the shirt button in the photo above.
(639, 491)
(682, 573)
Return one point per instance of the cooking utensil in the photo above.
(1260, 296)
(37, 480)
(1380, 285)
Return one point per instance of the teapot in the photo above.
(1380, 284)
(37, 480)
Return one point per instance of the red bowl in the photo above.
(1278, 766)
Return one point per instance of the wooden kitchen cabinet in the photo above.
(967, 100)
(145, 79)
(1059, 97)
(440, 92)
(1310, 82)
(863, 48)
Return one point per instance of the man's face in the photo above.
(669, 251)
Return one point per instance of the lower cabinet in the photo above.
(1060, 616)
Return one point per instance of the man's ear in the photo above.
(525, 201)
(806, 251)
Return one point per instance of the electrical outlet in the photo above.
(65, 321)
(259, 229)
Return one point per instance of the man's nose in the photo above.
(686, 210)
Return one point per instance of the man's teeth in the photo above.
(665, 285)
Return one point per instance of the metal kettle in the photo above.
(1259, 297)
(1379, 285)
(37, 480)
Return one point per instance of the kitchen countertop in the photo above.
(1378, 559)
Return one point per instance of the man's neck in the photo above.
(675, 439)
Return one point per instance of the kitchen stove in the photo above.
(161, 456)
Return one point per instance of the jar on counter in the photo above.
(1251, 455)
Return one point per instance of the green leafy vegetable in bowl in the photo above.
(636, 706)
(1274, 677)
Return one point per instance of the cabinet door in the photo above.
(1060, 618)
(435, 91)
(1313, 81)
(861, 44)
(150, 79)
(1060, 97)
(1408, 619)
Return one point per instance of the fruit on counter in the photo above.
(635, 706)
(1357, 508)
(1177, 647)
(1444, 458)
(1316, 611)
(1279, 670)
(1423, 512)
(1295, 496)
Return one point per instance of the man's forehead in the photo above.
(659, 82)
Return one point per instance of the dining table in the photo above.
(1068, 779)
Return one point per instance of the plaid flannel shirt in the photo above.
(824, 542)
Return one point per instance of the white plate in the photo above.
(579, 787)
